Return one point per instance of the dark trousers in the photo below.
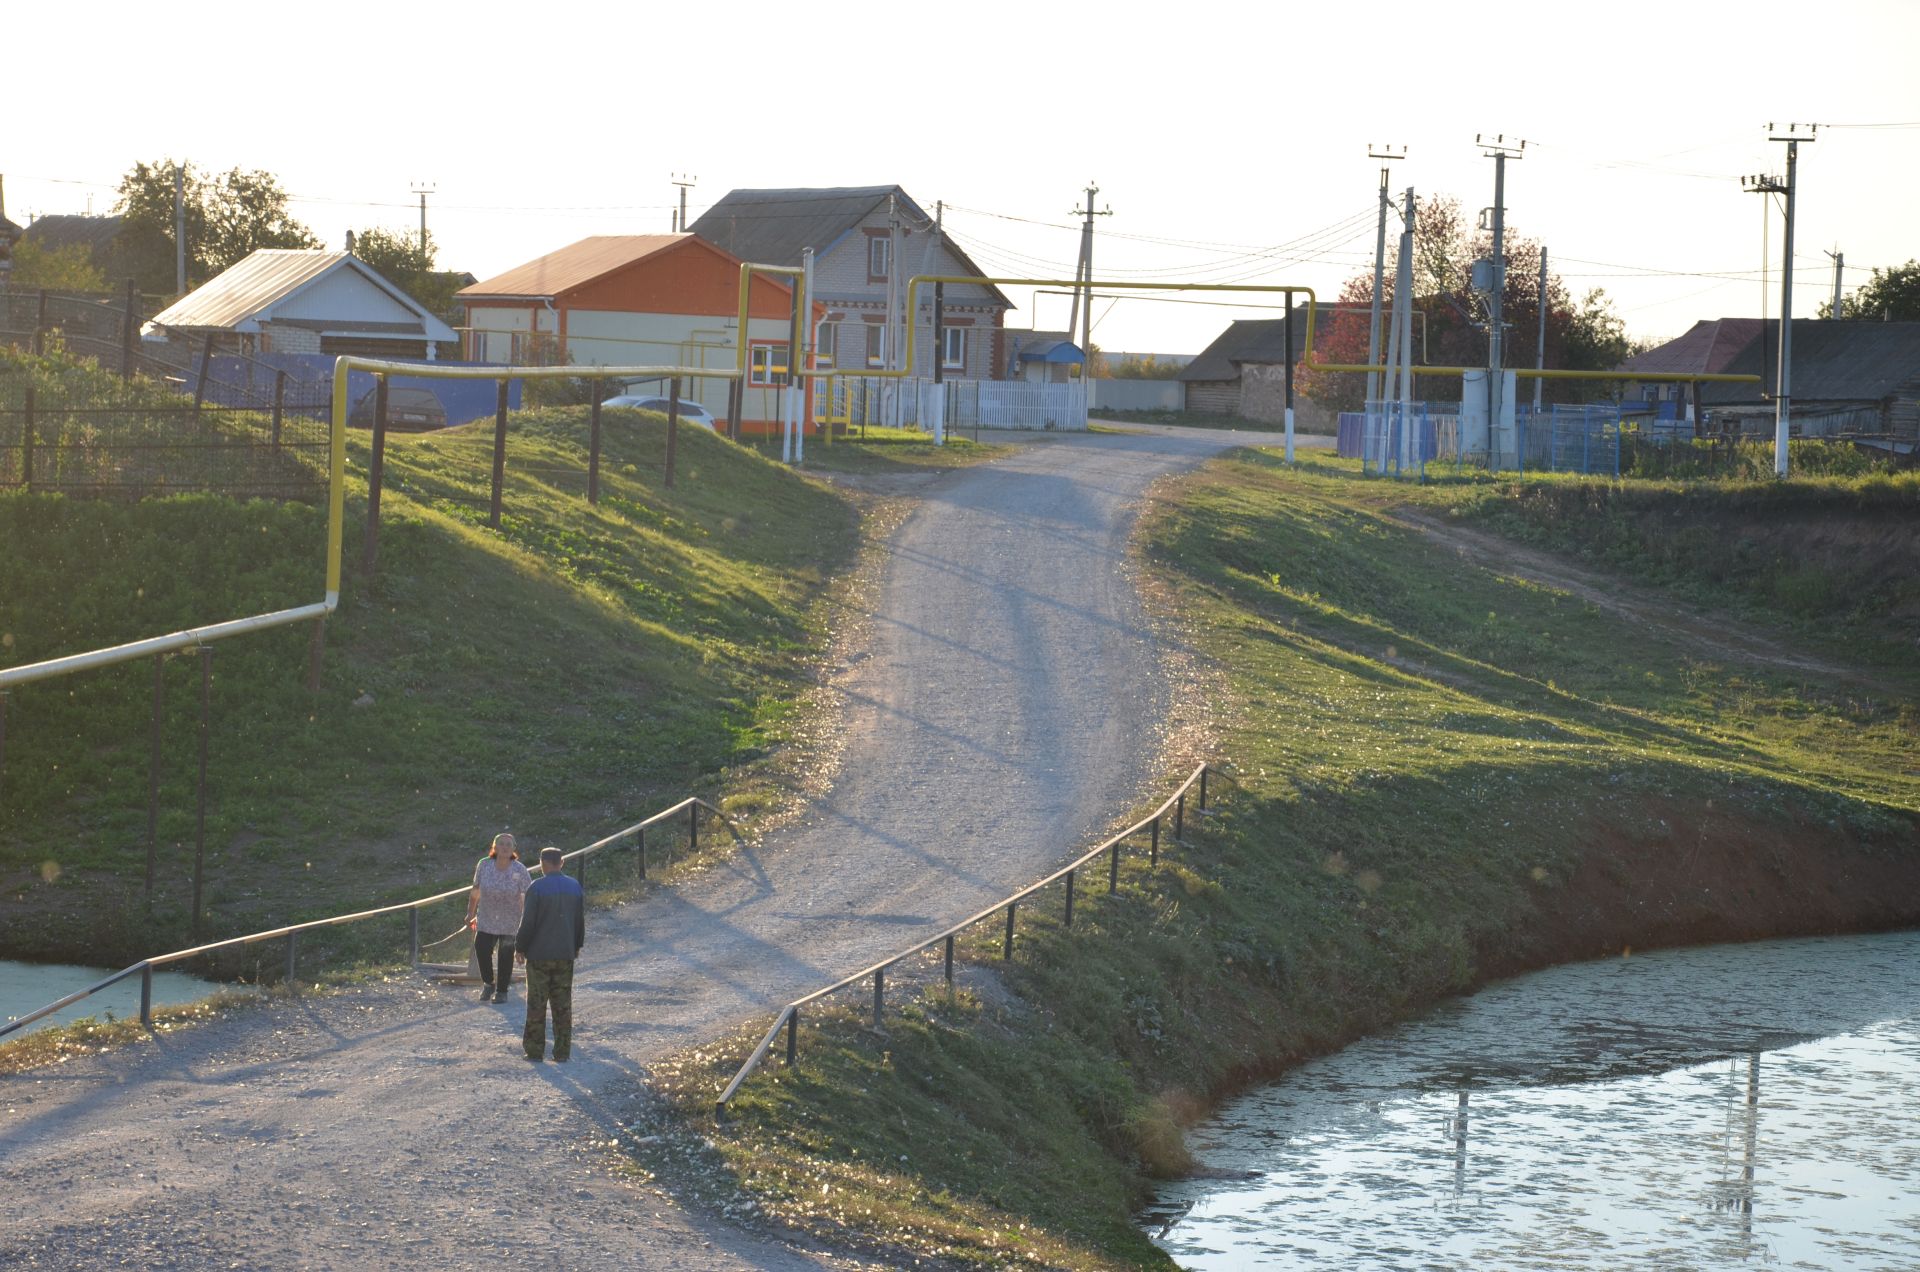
(489, 949)
(549, 980)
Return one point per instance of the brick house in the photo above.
(855, 232)
(638, 300)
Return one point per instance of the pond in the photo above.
(1715, 1107)
(27, 987)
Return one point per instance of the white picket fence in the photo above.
(1008, 404)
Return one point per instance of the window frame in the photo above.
(762, 357)
(950, 337)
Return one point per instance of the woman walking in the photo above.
(500, 883)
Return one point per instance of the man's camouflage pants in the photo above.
(549, 980)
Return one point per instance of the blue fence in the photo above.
(1397, 441)
(248, 382)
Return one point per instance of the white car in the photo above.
(690, 412)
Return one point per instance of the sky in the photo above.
(1230, 140)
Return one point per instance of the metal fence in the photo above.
(1404, 440)
(631, 839)
(136, 452)
(1173, 808)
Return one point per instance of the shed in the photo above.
(1042, 357)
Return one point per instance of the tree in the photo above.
(227, 217)
(397, 256)
(1449, 328)
(1145, 367)
(68, 268)
(1892, 295)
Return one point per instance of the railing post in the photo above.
(643, 854)
(376, 475)
(200, 825)
(1006, 951)
(146, 997)
(26, 443)
(1113, 868)
(280, 403)
(200, 385)
(40, 325)
(582, 877)
(499, 453)
(1069, 898)
(153, 768)
(1179, 817)
(1203, 789)
(693, 829)
(293, 958)
(413, 936)
(793, 1035)
(593, 445)
(1153, 849)
(129, 323)
(949, 962)
(673, 425)
(3, 739)
(879, 994)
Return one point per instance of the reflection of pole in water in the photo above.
(1460, 1147)
(1737, 1195)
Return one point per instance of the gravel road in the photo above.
(991, 725)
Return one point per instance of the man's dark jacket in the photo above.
(554, 923)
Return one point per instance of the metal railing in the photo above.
(689, 807)
(1174, 807)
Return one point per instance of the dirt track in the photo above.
(994, 724)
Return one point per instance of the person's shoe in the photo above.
(500, 996)
(486, 992)
(535, 1058)
(563, 1058)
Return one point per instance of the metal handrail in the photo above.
(789, 1016)
(690, 806)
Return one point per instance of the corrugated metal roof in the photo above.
(1709, 348)
(574, 265)
(1248, 340)
(234, 299)
(1845, 360)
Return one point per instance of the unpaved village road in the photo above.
(992, 726)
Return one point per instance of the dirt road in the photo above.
(992, 725)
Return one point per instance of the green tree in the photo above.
(1892, 295)
(1146, 367)
(227, 217)
(398, 257)
(68, 268)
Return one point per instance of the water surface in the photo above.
(27, 987)
(1720, 1107)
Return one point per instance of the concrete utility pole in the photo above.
(1379, 267)
(682, 180)
(1839, 263)
(1499, 150)
(179, 230)
(1540, 344)
(1764, 186)
(1085, 273)
(423, 189)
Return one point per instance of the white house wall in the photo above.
(341, 299)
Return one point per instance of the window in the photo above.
(879, 255)
(876, 345)
(823, 343)
(767, 365)
(953, 348)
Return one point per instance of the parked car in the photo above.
(690, 412)
(408, 409)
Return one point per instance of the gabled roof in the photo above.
(55, 232)
(575, 265)
(1709, 348)
(1247, 340)
(1844, 360)
(771, 227)
(1044, 346)
(242, 296)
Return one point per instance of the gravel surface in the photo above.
(1001, 715)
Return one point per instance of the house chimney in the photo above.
(349, 242)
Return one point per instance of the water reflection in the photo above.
(1601, 1115)
(26, 987)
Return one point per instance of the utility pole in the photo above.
(1379, 267)
(423, 189)
(1839, 263)
(179, 229)
(1499, 150)
(1085, 273)
(1540, 343)
(682, 180)
(1765, 186)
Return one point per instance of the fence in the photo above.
(1174, 807)
(856, 401)
(1136, 395)
(690, 808)
(139, 451)
(1399, 441)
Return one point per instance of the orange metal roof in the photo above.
(559, 272)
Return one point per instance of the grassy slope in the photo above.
(552, 677)
(1447, 772)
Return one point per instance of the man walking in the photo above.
(553, 930)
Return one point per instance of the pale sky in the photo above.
(1215, 131)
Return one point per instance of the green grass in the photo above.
(577, 666)
(1445, 772)
(1196, 419)
(874, 451)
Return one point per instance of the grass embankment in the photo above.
(1209, 419)
(1447, 773)
(575, 667)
